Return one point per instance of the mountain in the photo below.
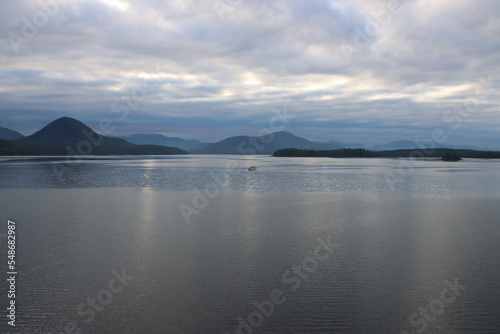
(395, 145)
(68, 130)
(68, 136)
(407, 144)
(9, 134)
(157, 139)
(346, 145)
(262, 145)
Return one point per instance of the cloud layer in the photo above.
(369, 71)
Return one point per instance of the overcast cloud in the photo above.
(361, 71)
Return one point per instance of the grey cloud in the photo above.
(259, 55)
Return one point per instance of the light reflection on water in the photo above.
(430, 178)
(396, 248)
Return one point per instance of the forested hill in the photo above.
(340, 153)
(438, 153)
(362, 153)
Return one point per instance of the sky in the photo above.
(359, 71)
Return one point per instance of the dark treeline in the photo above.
(362, 153)
(439, 153)
(451, 156)
(17, 148)
(340, 153)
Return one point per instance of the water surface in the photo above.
(395, 247)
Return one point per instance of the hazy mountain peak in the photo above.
(63, 130)
(159, 139)
(266, 144)
(9, 134)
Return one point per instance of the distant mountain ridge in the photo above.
(8, 134)
(262, 145)
(68, 136)
(158, 139)
(346, 145)
(408, 144)
(57, 135)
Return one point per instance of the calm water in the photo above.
(197, 244)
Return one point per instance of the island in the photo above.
(445, 154)
(451, 155)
